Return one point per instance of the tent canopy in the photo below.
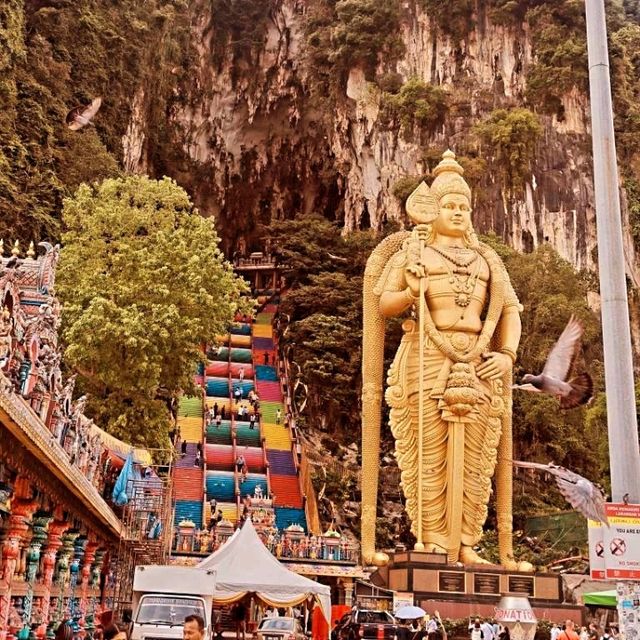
(244, 565)
(600, 598)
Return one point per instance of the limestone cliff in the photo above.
(257, 141)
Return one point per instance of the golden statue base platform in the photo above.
(458, 591)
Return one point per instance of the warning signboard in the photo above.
(621, 541)
(596, 550)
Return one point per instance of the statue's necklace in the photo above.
(463, 288)
(459, 260)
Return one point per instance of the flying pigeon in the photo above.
(580, 493)
(82, 115)
(553, 379)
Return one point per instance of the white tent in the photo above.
(244, 565)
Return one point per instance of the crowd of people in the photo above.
(593, 631)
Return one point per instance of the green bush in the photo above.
(454, 17)
(348, 33)
(511, 136)
(559, 43)
(417, 105)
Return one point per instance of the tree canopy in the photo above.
(143, 285)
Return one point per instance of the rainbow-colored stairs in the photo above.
(247, 352)
(188, 478)
(283, 473)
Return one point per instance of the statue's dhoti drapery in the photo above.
(462, 422)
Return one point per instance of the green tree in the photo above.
(365, 31)
(417, 104)
(143, 284)
(511, 136)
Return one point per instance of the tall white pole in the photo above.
(624, 454)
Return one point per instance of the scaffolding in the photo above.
(147, 527)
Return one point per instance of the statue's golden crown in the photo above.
(422, 204)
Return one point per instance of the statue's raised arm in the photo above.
(449, 386)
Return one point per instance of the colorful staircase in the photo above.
(246, 361)
(283, 473)
(188, 478)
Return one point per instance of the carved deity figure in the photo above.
(449, 386)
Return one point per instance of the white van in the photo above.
(163, 596)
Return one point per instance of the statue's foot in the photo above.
(514, 565)
(377, 558)
(436, 548)
(469, 556)
(380, 559)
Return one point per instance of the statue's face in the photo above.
(454, 216)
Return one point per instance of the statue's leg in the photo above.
(404, 426)
(481, 442)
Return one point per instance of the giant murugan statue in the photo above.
(449, 386)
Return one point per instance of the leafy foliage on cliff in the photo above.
(54, 56)
(416, 105)
(349, 33)
(143, 284)
(511, 136)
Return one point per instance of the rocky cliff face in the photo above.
(257, 142)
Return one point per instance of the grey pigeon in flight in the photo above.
(582, 494)
(554, 377)
(81, 116)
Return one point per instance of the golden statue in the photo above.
(450, 402)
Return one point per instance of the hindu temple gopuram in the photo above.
(62, 543)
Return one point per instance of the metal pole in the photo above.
(624, 454)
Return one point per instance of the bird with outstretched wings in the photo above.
(82, 115)
(554, 379)
(582, 494)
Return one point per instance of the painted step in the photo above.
(265, 357)
(190, 406)
(221, 369)
(241, 329)
(286, 490)
(249, 485)
(269, 391)
(263, 344)
(247, 437)
(240, 341)
(218, 354)
(245, 386)
(264, 318)
(281, 463)
(262, 331)
(190, 429)
(220, 401)
(188, 460)
(188, 484)
(269, 410)
(266, 373)
(241, 355)
(221, 485)
(286, 517)
(276, 436)
(189, 510)
(219, 435)
(254, 457)
(229, 511)
(217, 387)
(219, 457)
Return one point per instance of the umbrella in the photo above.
(410, 613)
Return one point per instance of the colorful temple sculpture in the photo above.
(245, 412)
(60, 540)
